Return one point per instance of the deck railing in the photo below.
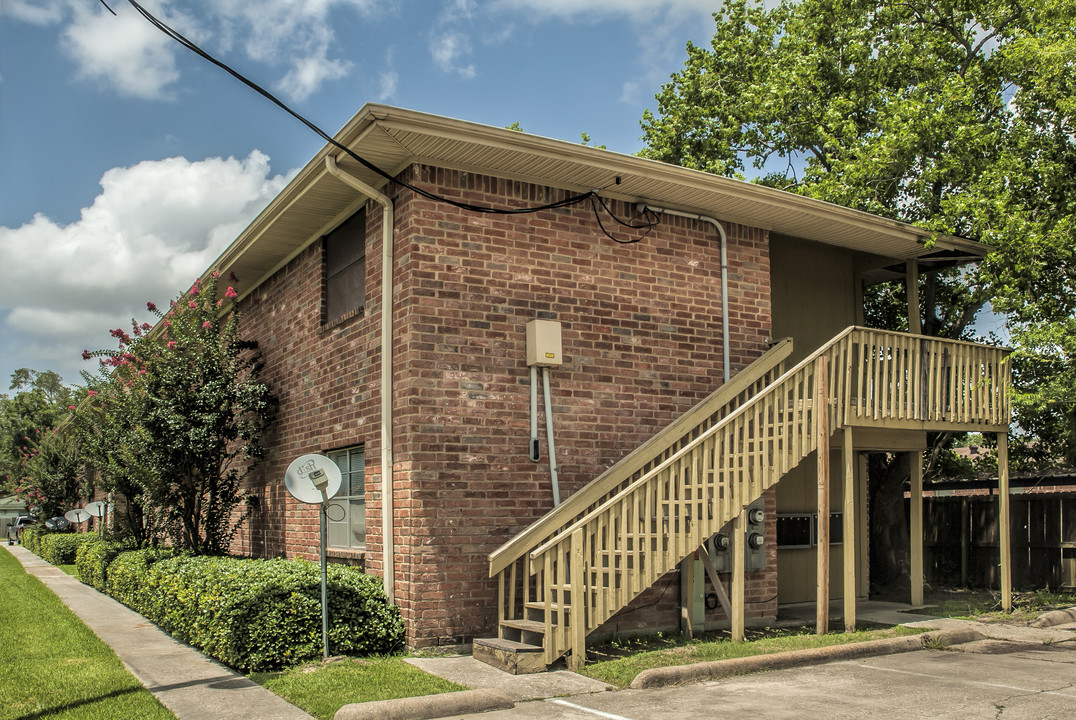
(578, 576)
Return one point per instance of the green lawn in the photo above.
(618, 663)
(52, 666)
(321, 690)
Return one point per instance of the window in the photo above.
(346, 522)
(345, 268)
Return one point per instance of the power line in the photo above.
(596, 200)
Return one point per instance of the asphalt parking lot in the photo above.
(986, 679)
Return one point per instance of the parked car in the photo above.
(58, 523)
(16, 526)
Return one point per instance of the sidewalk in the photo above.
(185, 681)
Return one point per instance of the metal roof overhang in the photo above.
(314, 202)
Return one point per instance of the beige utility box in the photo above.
(543, 343)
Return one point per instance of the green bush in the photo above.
(128, 578)
(33, 535)
(257, 614)
(30, 535)
(93, 558)
(60, 548)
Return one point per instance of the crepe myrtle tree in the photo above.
(197, 413)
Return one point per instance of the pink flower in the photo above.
(86, 355)
(230, 292)
(147, 326)
(193, 303)
(207, 324)
(70, 407)
(91, 393)
(171, 344)
(215, 274)
(151, 307)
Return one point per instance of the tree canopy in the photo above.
(955, 116)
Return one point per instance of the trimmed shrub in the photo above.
(60, 548)
(30, 535)
(93, 558)
(33, 535)
(128, 578)
(257, 614)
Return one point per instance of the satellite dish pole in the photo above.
(314, 479)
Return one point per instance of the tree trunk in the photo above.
(890, 558)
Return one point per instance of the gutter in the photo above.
(388, 266)
(725, 350)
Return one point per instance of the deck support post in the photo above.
(687, 597)
(911, 280)
(821, 421)
(578, 609)
(862, 527)
(915, 534)
(1004, 524)
(849, 530)
(739, 568)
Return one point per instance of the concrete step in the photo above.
(510, 656)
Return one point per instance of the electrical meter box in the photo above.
(720, 545)
(543, 343)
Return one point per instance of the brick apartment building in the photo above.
(438, 404)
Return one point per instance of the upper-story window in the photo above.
(345, 268)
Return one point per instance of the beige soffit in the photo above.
(393, 138)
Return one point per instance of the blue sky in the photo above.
(127, 163)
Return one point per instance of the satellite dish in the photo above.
(97, 509)
(310, 475)
(78, 515)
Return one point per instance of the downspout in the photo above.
(724, 277)
(388, 266)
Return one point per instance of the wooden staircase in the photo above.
(568, 573)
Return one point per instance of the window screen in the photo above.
(345, 267)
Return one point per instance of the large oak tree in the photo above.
(955, 116)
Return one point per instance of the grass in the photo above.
(618, 662)
(323, 688)
(53, 666)
(985, 605)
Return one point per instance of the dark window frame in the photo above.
(343, 286)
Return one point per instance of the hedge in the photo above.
(32, 536)
(93, 558)
(60, 548)
(256, 614)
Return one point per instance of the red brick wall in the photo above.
(642, 343)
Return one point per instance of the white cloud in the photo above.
(594, 8)
(153, 228)
(36, 12)
(123, 51)
(449, 49)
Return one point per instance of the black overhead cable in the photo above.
(596, 200)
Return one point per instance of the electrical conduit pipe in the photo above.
(388, 266)
(642, 207)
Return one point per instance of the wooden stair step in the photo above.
(513, 657)
(533, 626)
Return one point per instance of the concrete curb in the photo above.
(1055, 617)
(678, 675)
(426, 706)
